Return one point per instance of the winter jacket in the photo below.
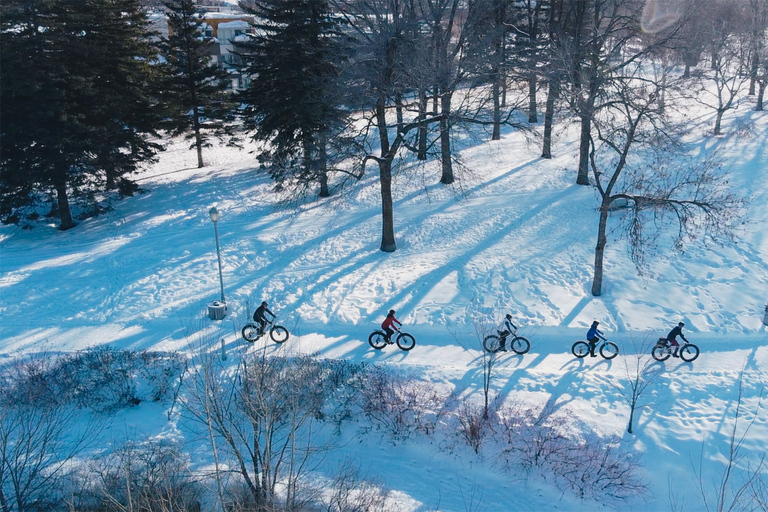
(259, 314)
(506, 325)
(674, 333)
(594, 333)
(387, 323)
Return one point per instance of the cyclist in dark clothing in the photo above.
(260, 316)
(674, 333)
(505, 329)
(593, 336)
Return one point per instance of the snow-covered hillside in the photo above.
(515, 234)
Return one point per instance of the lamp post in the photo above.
(214, 213)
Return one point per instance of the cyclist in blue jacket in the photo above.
(593, 336)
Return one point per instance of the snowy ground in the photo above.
(515, 234)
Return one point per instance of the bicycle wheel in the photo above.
(609, 350)
(520, 345)
(250, 332)
(580, 349)
(660, 353)
(688, 352)
(377, 340)
(491, 343)
(279, 334)
(405, 341)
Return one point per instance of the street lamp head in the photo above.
(214, 213)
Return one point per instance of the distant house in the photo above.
(226, 28)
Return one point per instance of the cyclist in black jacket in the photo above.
(260, 316)
(674, 333)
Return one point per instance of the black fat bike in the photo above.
(518, 344)
(378, 340)
(663, 350)
(278, 333)
(582, 349)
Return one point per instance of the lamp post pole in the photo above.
(214, 213)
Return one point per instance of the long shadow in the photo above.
(428, 281)
(578, 308)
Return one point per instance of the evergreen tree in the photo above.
(78, 102)
(194, 85)
(293, 102)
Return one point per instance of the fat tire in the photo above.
(377, 340)
(660, 353)
(250, 332)
(688, 352)
(520, 345)
(580, 349)
(279, 334)
(406, 342)
(491, 343)
(613, 350)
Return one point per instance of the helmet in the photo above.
(595, 322)
(391, 311)
(509, 315)
(681, 324)
(264, 303)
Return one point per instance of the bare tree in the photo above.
(147, 475)
(601, 39)
(735, 487)
(641, 373)
(39, 438)
(481, 327)
(352, 491)
(383, 29)
(695, 199)
(730, 48)
(263, 416)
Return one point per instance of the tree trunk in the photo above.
(586, 134)
(385, 178)
(503, 89)
(753, 74)
(760, 94)
(597, 283)
(549, 114)
(532, 115)
(631, 416)
(198, 138)
(421, 153)
(445, 140)
(111, 174)
(687, 71)
(399, 110)
(718, 121)
(65, 215)
(496, 109)
(322, 156)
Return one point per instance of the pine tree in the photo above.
(194, 85)
(293, 101)
(78, 103)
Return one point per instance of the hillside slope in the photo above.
(515, 234)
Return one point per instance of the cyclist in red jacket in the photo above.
(388, 323)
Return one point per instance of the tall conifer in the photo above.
(78, 104)
(295, 59)
(194, 84)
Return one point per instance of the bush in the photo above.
(101, 379)
(150, 475)
(400, 404)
